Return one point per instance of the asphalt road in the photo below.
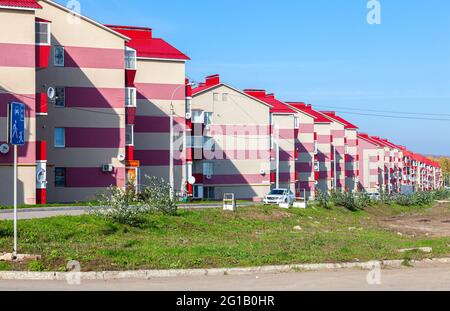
(428, 278)
(47, 212)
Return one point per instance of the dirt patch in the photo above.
(269, 215)
(434, 222)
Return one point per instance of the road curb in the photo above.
(153, 274)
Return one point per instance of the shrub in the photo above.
(119, 205)
(323, 199)
(156, 196)
(349, 200)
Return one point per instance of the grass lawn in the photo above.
(213, 238)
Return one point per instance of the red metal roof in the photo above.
(332, 115)
(318, 117)
(210, 82)
(277, 106)
(146, 46)
(368, 138)
(29, 4)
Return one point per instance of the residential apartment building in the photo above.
(369, 168)
(229, 141)
(350, 154)
(284, 126)
(18, 52)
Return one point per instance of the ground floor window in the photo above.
(209, 193)
(60, 177)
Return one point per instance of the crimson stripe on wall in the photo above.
(154, 157)
(149, 124)
(17, 55)
(89, 97)
(160, 91)
(83, 57)
(239, 179)
(80, 137)
(93, 177)
(28, 100)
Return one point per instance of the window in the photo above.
(208, 143)
(346, 149)
(225, 97)
(208, 168)
(59, 56)
(316, 148)
(189, 106)
(208, 118)
(198, 192)
(60, 97)
(216, 97)
(209, 193)
(60, 177)
(197, 116)
(42, 31)
(296, 123)
(129, 135)
(60, 137)
(130, 58)
(130, 97)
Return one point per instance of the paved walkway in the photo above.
(428, 278)
(47, 212)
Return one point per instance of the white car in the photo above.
(375, 196)
(278, 196)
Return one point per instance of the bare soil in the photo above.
(434, 222)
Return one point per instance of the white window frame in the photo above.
(63, 99)
(208, 118)
(198, 117)
(316, 147)
(296, 123)
(216, 97)
(55, 140)
(346, 149)
(225, 97)
(208, 168)
(49, 34)
(129, 127)
(127, 62)
(199, 190)
(55, 48)
(130, 97)
(189, 106)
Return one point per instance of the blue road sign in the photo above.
(17, 124)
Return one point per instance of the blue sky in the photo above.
(319, 51)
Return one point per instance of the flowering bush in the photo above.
(119, 205)
(156, 196)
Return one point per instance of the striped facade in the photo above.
(91, 110)
(368, 164)
(17, 84)
(231, 143)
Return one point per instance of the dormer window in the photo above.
(130, 58)
(43, 33)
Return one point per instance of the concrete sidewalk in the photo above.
(47, 212)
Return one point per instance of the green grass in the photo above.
(213, 238)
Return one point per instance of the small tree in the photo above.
(119, 205)
(156, 196)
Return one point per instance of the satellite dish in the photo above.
(51, 93)
(4, 148)
(188, 116)
(121, 157)
(192, 180)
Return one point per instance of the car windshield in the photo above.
(277, 192)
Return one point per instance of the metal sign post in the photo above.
(16, 137)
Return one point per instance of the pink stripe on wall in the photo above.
(338, 133)
(306, 128)
(80, 137)
(352, 142)
(323, 139)
(93, 177)
(83, 57)
(287, 134)
(237, 179)
(240, 130)
(26, 154)
(305, 147)
(90, 97)
(160, 91)
(28, 100)
(17, 55)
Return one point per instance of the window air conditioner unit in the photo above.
(107, 168)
